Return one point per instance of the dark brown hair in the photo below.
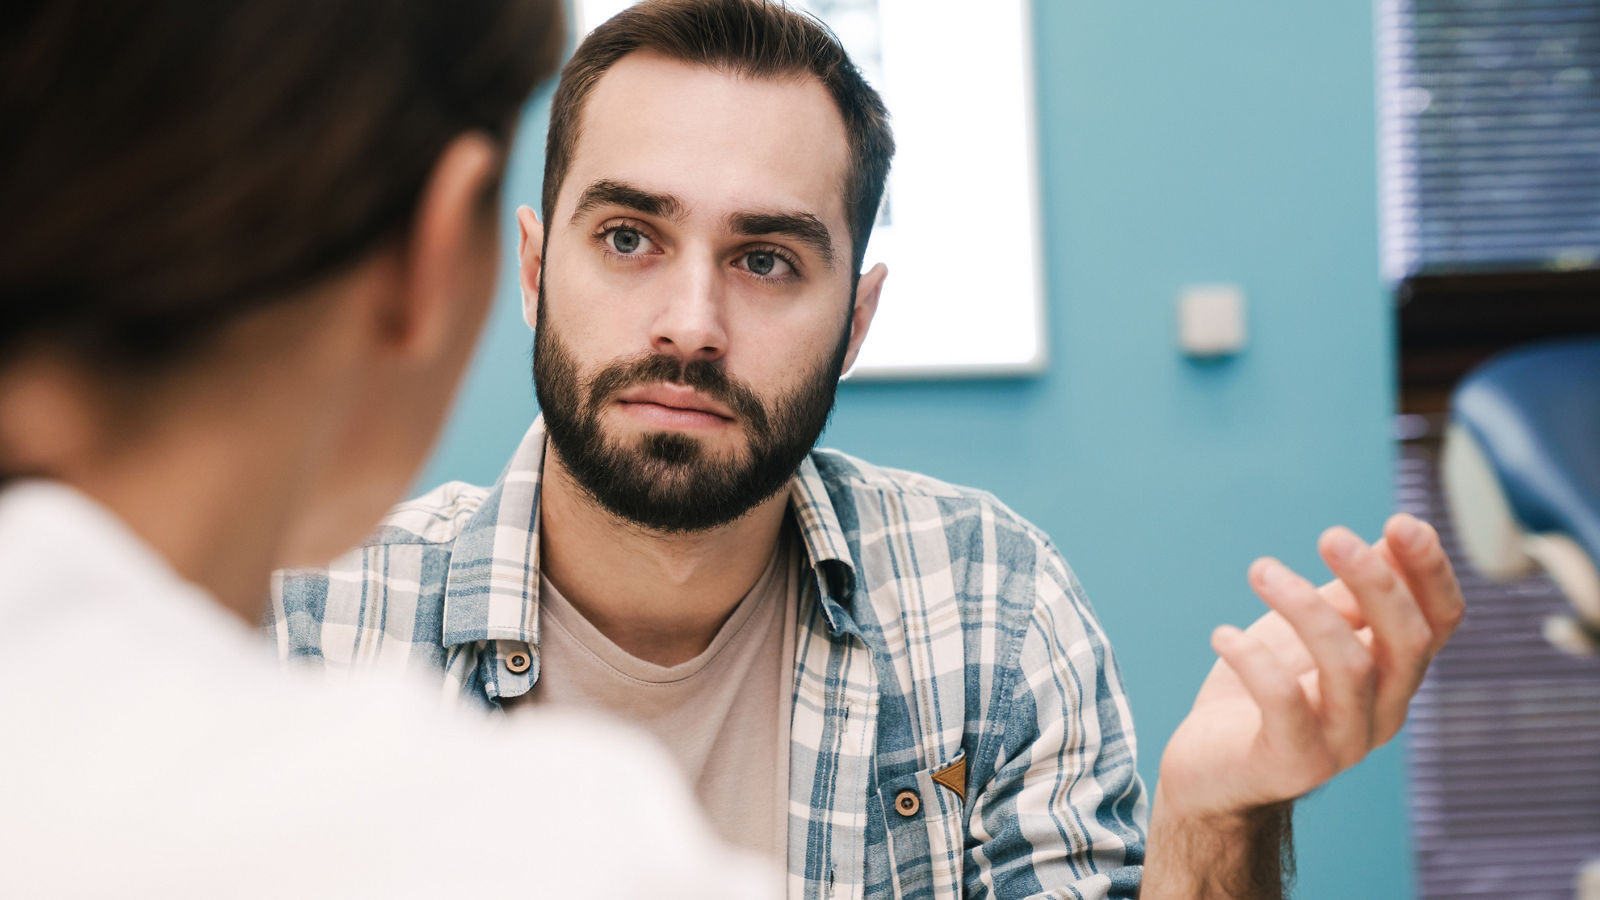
(752, 38)
(171, 164)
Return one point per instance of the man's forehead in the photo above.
(718, 141)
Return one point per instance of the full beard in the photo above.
(666, 482)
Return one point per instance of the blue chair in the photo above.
(1521, 473)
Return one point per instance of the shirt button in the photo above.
(518, 662)
(906, 803)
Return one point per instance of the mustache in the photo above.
(704, 376)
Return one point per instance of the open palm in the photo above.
(1317, 683)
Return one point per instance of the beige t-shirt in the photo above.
(724, 715)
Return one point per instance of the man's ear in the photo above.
(448, 266)
(867, 290)
(530, 258)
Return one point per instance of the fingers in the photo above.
(1287, 718)
(1402, 639)
(1339, 597)
(1346, 681)
(1413, 547)
(1332, 669)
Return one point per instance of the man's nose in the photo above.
(690, 324)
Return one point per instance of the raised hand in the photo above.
(1304, 693)
(1316, 684)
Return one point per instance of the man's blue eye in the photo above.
(761, 263)
(625, 240)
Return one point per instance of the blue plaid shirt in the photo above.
(945, 651)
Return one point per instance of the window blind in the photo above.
(1490, 135)
(1504, 735)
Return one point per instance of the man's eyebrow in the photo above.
(801, 226)
(606, 192)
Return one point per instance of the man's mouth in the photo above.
(674, 406)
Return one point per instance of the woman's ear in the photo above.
(448, 258)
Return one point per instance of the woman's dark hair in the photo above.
(168, 165)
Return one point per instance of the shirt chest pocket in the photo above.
(927, 828)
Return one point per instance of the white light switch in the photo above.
(1211, 319)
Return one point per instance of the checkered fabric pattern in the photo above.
(940, 635)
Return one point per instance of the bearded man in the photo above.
(889, 685)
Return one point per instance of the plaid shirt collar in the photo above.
(493, 588)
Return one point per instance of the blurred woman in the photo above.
(245, 252)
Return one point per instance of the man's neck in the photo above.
(660, 597)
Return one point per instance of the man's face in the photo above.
(695, 310)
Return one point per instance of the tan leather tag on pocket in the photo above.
(954, 777)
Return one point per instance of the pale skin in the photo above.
(1302, 694)
(313, 413)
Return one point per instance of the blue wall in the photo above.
(1180, 142)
